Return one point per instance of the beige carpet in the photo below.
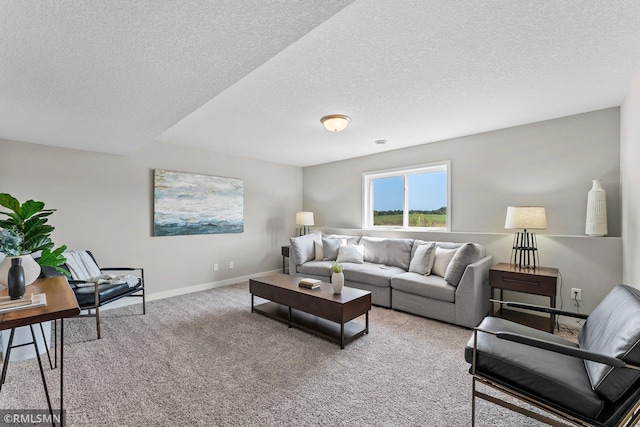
(204, 360)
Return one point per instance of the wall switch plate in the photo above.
(215, 267)
(230, 264)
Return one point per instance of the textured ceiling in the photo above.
(253, 78)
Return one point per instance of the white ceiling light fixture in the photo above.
(335, 122)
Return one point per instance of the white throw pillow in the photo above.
(351, 253)
(443, 258)
(423, 258)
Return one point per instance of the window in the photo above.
(415, 198)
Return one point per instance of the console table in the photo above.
(536, 281)
(61, 303)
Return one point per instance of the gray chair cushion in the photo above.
(465, 255)
(543, 373)
(433, 287)
(303, 248)
(613, 328)
(391, 252)
(370, 274)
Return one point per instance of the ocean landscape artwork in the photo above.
(187, 203)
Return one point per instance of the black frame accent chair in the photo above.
(90, 298)
(595, 382)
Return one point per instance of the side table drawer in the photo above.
(521, 282)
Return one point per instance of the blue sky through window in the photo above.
(427, 191)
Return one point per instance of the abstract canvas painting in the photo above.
(187, 203)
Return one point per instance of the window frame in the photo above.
(367, 192)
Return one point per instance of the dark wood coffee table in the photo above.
(318, 311)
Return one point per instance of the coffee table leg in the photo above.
(289, 319)
(366, 328)
(341, 335)
(252, 303)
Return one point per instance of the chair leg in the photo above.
(98, 321)
(473, 402)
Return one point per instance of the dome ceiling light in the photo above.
(335, 122)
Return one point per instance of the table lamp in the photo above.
(304, 220)
(524, 253)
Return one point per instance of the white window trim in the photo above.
(369, 176)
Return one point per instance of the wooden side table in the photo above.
(536, 281)
(285, 254)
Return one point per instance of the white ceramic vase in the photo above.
(596, 210)
(30, 266)
(337, 281)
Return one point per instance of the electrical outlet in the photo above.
(576, 294)
(215, 267)
(230, 264)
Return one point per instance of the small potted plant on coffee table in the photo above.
(337, 277)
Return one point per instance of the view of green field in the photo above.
(416, 218)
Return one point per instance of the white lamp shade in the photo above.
(335, 122)
(526, 217)
(304, 218)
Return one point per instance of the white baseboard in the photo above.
(123, 302)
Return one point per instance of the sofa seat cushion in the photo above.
(545, 374)
(316, 268)
(370, 274)
(433, 287)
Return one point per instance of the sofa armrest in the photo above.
(473, 293)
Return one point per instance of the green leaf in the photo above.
(10, 202)
(30, 207)
(54, 259)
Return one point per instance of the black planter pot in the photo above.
(15, 279)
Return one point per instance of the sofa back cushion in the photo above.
(394, 252)
(613, 328)
(351, 240)
(422, 258)
(465, 255)
(303, 248)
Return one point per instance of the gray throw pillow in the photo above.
(302, 247)
(330, 248)
(465, 255)
(423, 257)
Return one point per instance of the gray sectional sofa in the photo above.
(440, 280)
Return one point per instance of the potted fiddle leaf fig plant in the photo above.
(25, 231)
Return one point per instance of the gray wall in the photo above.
(105, 204)
(630, 178)
(550, 163)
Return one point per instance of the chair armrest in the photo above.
(563, 349)
(542, 309)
